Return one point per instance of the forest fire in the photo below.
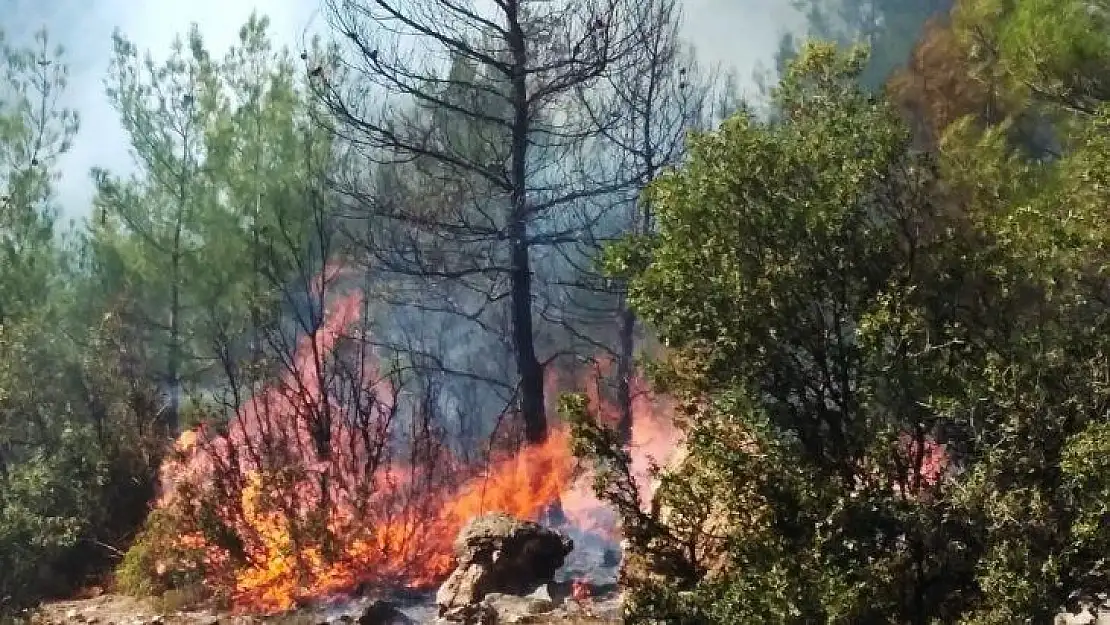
(303, 496)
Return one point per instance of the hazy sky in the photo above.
(735, 32)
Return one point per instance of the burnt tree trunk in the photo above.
(524, 346)
(520, 270)
(626, 320)
(626, 349)
(172, 417)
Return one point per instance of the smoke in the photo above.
(456, 344)
(737, 35)
(439, 295)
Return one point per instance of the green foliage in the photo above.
(203, 240)
(838, 305)
(139, 572)
(90, 324)
(34, 133)
(1052, 52)
(60, 469)
(76, 461)
(46, 507)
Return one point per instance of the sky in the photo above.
(734, 33)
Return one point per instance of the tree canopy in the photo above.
(891, 348)
(342, 285)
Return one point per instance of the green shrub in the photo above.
(894, 362)
(77, 463)
(157, 565)
(52, 514)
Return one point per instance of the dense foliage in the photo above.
(103, 325)
(893, 351)
(881, 305)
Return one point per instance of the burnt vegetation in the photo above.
(436, 263)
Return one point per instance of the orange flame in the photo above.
(316, 518)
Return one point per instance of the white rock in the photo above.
(543, 592)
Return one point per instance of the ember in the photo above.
(580, 590)
(302, 499)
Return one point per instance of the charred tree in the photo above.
(480, 107)
(657, 97)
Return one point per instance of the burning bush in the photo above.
(301, 495)
(319, 485)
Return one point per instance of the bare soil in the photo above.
(110, 609)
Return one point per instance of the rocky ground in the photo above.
(1088, 611)
(118, 610)
(508, 571)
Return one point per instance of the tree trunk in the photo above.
(520, 269)
(626, 347)
(626, 321)
(256, 248)
(173, 365)
(528, 365)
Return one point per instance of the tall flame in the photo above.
(310, 502)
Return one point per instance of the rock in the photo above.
(543, 593)
(514, 609)
(1088, 615)
(497, 553)
(383, 613)
(477, 614)
(1084, 609)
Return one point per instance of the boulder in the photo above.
(496, 553)
(477, 614)
(543, 592)
(514, 609)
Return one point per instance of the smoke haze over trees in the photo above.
(343, 279)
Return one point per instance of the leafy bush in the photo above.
(143, 572)
(892, 365)
(60, 513)
(45, 510)
(76, 467)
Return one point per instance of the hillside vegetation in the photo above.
(878, 297)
